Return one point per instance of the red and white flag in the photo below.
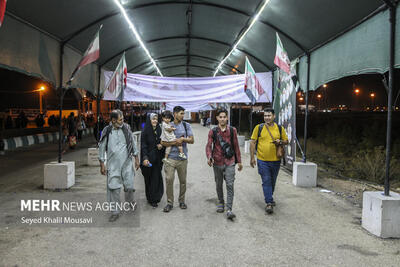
(281, 56)
(2, 10)
(252, 86)
(92, 54)
(117, 83)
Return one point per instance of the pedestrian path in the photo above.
(308, 228)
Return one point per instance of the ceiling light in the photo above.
(255, 18)
(135, 32)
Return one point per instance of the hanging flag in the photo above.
(281, 56)
(2, 10)
(117, 83)
(92, 54)
(252, 86)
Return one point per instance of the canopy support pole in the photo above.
(98, 107)
(61, 89)
(390, 96)
(306, 110)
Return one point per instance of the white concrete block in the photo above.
(93, 156)
(18, 141)
(304, 174)
(41, 138)
(381, 214)
(31, 141)
(247, 146)
(241, 140)
(59, 175)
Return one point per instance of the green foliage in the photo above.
(370, 165)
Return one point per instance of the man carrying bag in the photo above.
(268, 140)
(223, 153)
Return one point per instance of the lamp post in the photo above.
(372, 95)
(41, 90)
(357, 93)
(319, 96)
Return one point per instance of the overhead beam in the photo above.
(190, 74)
(181, 55)
(184, 37)
(189, 13)
(84, 28)
(389, 3)
(183, 65)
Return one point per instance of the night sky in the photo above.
(15, 92)
(341, 92)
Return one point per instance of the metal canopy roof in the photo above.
(185, 43)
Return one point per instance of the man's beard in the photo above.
(117, 125)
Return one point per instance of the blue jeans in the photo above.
(269, 172)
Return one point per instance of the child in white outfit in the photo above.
(168, 134)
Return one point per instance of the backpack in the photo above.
(223, 143)
(184, 126)
(260, 129)
(127, 133)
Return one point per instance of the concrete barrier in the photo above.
(381, 214)
(59, 175)
(241, 140)
(305, 174)
(24, 141)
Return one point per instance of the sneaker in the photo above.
(269, 208)
(182, 155)
(220, 208)
(168, 208)
(113, 218)
(230, 215)
(154, 205)
(273, 203)
(182, 205)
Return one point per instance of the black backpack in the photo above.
(127, 134)
(260, 129)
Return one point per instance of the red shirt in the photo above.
(216, 153)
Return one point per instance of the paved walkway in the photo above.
(308, 228)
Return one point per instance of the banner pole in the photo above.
(390, 97)
(306, 109)
(60, 136)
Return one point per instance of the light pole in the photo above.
(319, 101)
(41, 90)
(357, 92)
(372, 95)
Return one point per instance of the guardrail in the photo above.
(23, 141)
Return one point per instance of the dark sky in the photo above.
(15, 92)
(341, 92)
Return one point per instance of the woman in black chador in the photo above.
(151, 155)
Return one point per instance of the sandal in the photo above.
(220, 208)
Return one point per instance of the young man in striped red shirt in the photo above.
(223, 153)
